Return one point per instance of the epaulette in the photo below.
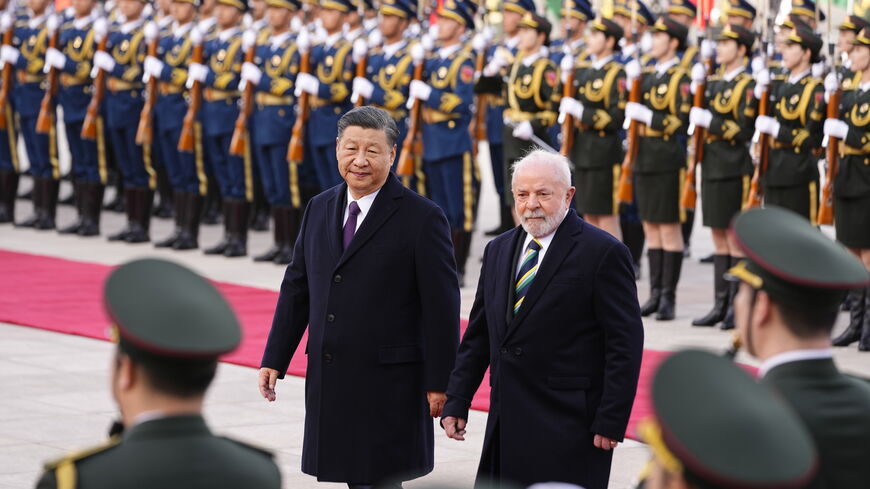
(260, 450)
(83, 454)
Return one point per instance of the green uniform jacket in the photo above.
(726, 148)
(853, 176)
(669, 97)
(175, 452)
(836, 410)
(800, 109)
(602, 91)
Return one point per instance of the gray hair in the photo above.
(559, 165)
(369, 117)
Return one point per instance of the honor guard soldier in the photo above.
(122, 64)
(27, 56)
(329, 83)
(806, 11)
(186, 170)
(389, 69)
(757, 441)
(741, 13)
(499, 58)
(575, 17)
(273, 75)
(171, 326)
(635, 18)
(852, 182)
(728, 124)
(848, 33)
(73, 57)
(791, 286)
(447, 96)
(223, 57)
(8, 136)
(660, 164)
(598, 112)
(797, 103)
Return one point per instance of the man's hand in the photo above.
(436, 403)
(266, 381)
(455, 427)
(604, 443)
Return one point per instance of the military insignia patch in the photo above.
(466, 74)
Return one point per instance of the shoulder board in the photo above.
(83, 454)
(260, 450)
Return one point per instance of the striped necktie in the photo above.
(528, 268)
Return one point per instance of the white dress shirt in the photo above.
(545, 245)
(364, 203)
(793, 356)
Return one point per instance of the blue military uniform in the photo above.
(582, 10)
(278, 59)
(8, 156)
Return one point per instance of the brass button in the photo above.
(451, 124)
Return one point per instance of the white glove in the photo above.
(6, 21)
(196, 72)
(362, 87)
(427, 41)
(638, 112)
(757, 64)
(708, 49)
(413, 30)
(249, 39)
(419, 90)
(566, 67)
(196, 35)
(499, 60)
(832, 83)
(433, 31)
(418, 51)
(762, 81)
(101, 29)
(570, 106)
(360, 47)
(699, 73)
(9, 54)
(478, 43)
(104, 61)
(52, 23)
(251, 74)
(700, 117)
(523, 130)
(54, 58)
(767, 125)
(306, 83)
(836, 128)
(818, 69)
(632, 70)
(296, 24)
(153, 66)
(303, 41)
(151, 31)
(375, 38)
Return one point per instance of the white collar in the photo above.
(793, 356)
(364, 203)
(226, 34)
(447, 52)
(798, 77)
(83, 22)
(864, 86)
(146, 416)
(181, 30)
(532, 57)
(278, 40)
(37, 21)
(662, 68)
(128, 27)
(332, 39)
(733, 73)
(512, 42)
(391, 49)
(628, 50)
(599, 63)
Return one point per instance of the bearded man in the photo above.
(556, 319)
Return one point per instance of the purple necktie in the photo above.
(350, 225)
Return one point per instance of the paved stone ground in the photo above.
(54, 387)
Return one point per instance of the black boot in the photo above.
(291, 229)
(92, 207)
(686, 227)
(733, 287)
(128, 209)
(260, 209)
(279, 232)
(459, 256)
(672, 264)
(219, 248)
(143, 201)
(720, 294)
(654, 256)
(49, 204)
(8, 193)
(73, 198)
(178, 214)
(166, 203)
(634, 238)
(506, 224)
(78, 200)
(856, 319)
(864, 343)
(192, 212)
(237, 239)
(214, 208)
(37, 197)
(119, 201)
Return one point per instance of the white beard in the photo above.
(539, 229)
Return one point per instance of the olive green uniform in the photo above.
(852, 184)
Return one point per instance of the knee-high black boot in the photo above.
(672, 264)
(654, 256)
(864, 342)
(237, 239)
(128, 209)
(291, 229)
(92, 207)
(188, 239)
(49, 204)
(856, 319)
(178, 201)
(461, 247)
(279, 221)
(78, 201)
(37, 197)
(720, 294)
(8, 193)
(139, 227)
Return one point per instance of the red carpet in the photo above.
(65, 296)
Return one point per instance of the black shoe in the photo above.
(8, 190)
(260, 220)
(189, 237)
(654, 256)
(278, 232)
(92, 207)
(237, 231)
(49, 204)
(856, 320)
(720, 294)
(143, 200)
(672, 264)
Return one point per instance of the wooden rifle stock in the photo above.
(296, 150)
(186, 140)
(89, 126)
(625, 190)
(145, 131)
(239, 140)
(405, 166)
(45, 120)
(755, 191)
(689, 198)
(568, 123)
(826, 205)
(5, 90)
(361, 73)
(478, 127)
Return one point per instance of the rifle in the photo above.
(145, 131)
(45, 120)
(7, 78)
(239, 141)
(478, 126)
(296, 150)
(185, 141)
(89, 126)
(625, 191)
(361, 73)
(568, 91)
(405, 166)
(826, 204)
(690, 194)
